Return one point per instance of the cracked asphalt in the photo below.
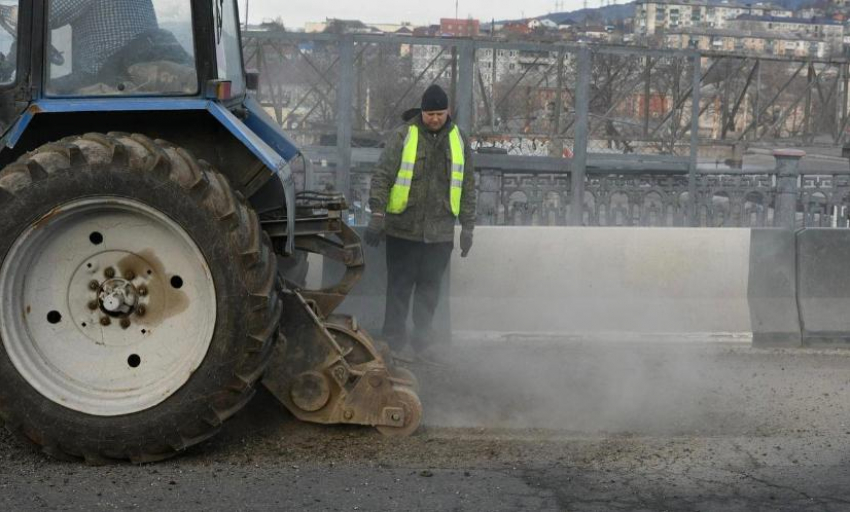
(566, 425)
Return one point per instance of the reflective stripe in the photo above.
(458, 164)
(400, 192)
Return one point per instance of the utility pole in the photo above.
(246, 14)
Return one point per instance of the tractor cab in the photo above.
(121, 48)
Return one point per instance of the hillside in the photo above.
(614, 13)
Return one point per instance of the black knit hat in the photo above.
(435, 98)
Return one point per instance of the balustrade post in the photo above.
(344, 111)
(489, 196)
(579, 163)
(787, 163)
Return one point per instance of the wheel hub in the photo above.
(118, 297)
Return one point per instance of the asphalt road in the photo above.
(558, 425)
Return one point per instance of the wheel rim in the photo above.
(107, 306)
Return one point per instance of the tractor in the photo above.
(148, 209)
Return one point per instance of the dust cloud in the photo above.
(629, 383)
(609, 387)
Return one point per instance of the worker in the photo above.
(423, 185)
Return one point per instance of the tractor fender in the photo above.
(256, 131)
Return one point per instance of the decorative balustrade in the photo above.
(538, 191)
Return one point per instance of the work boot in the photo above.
(435, 355)
(404, 355)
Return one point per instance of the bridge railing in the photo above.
(628, 133)
(538, 191)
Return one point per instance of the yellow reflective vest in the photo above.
(400, 192)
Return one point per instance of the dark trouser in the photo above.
(419, 266)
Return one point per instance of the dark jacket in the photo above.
(428, 217)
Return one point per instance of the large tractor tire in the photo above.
(139, 299)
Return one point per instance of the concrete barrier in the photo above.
(587, 280)
(578, 280)
(784, 288)
(823, 283)
(772, 289)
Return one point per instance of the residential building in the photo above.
(654, 16)
(517, 28)
(429, 31)
(566, 24)
(746, 41)
(315, 26)
(811, 12)
(593, 33)
(544, 23)
(337, 26)
(459, 28)
(393, 28)
(825, 29)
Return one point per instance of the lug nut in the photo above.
(396, 417)
(109, 272)
(94, 286)
(129, 275)
(143, 290)
(93, 305)
(141, 310)
(125, 323)
(104, 321)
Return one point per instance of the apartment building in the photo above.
(825, 29)
(654, 16)
(746, 41)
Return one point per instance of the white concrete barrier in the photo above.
(589, 280)
(579, 280)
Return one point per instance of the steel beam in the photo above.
(559, 106)
(465, 86)
(771, 102)
(731, 125)
(694, 155)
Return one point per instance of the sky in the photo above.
(295, 13)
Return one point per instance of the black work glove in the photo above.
(465, 242)
(375, 229)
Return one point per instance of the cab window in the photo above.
(8, 38)
(228, 50)
(120, 47)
